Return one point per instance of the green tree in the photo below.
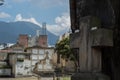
(63, 48)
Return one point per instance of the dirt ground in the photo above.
(21, 78)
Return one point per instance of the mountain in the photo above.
(9, 32)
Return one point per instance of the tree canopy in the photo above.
(63, 48)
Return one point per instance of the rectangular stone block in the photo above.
(102, 37)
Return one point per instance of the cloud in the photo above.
(32, 20)
(62, 23)
(4, 15)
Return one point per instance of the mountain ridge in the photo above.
(9, 31)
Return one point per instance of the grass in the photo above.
(64, 78)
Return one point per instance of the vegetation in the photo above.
(63, 48)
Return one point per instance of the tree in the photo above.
(63, 48)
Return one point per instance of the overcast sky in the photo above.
(54, 12)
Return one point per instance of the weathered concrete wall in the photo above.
(75, 40)
(23, 68)
(5, 72)
(41, 59)
(102, 37)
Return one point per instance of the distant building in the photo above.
(14, 48)
(37, 40)
(5, 69)
(41, 58)
(40, 40)
(17, 48)
(5, 45)
(11, 60)
(20, 63)
(15, 64)
(32, 41)
(27, 55)
(23, 40)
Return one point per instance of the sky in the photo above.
(54, 12)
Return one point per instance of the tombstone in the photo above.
(95, 35)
